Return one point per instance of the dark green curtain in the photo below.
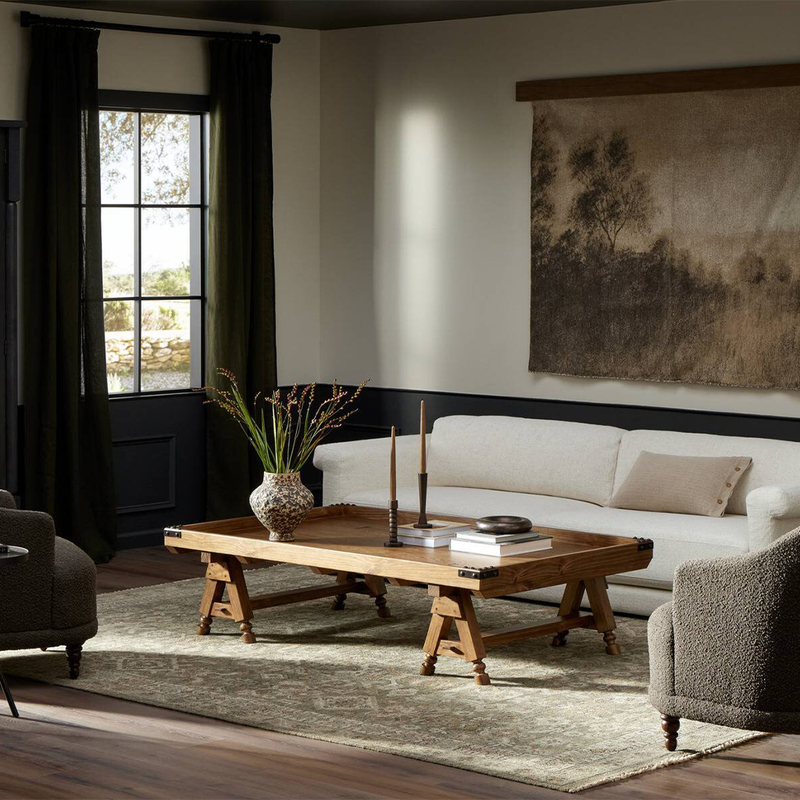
(240, 326)
(67, 445)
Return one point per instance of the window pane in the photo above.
(119, 238)
(166, 251)
(117, 156)
(166, 345)
(165, 159)
(119, 345)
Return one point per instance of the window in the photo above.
(154, 213)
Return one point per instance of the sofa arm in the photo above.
(771, 512)
(349, 467)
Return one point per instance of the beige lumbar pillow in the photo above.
(681, 484)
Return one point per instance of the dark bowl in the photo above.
(503, 524)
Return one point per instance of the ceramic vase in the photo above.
(281, 504)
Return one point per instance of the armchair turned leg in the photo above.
(670, 726)
(74, 659)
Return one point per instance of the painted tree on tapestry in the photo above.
(665, 237)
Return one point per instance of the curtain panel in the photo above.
(68, 465)
(240, 325)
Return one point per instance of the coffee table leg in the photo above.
(570, 604)
(437, 630)
(603, 613)
(211, 594)
(240, 600)
(338, 600)
(377, 588)
(225, 572)
(471, 640)
(454, 605)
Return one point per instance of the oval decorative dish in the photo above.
(503, 524)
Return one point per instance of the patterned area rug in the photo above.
(563, 718)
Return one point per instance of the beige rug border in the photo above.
(668, 760)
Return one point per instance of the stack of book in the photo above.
(439, 534)
(498, 545)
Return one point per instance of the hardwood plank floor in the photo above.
(74, 744)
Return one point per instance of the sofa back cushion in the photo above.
(536, 456)
(774, 461)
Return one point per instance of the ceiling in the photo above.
(330, 14)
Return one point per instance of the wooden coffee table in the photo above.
(347, 542)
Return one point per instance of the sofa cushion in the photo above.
(676, 537)
(562, 459)
(681, 484)
(774, 461)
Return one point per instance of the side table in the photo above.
(14, 555)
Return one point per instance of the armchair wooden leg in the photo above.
(74, 659)
(670, 726)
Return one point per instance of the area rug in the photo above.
(563, 718)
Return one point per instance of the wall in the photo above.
(424, 213)
(149, 62)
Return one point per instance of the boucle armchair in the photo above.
(49, 600)
(725, 649)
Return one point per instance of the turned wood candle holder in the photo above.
(393, 526)
(422, 522)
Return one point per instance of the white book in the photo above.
(500, 550)
(440, 527)
(424, 541)
(489, 538)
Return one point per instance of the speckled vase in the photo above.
(281, 504)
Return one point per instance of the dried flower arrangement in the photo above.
(285, 438)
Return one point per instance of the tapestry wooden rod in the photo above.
(28, 19)
(698, 80)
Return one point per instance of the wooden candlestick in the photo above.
(393, 469)
(393, 526)
(422, 521)
(423, 456)
(393, 496)
(422, 478)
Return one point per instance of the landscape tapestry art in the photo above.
(665, 237)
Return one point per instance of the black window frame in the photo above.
(163, 103)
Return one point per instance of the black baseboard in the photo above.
(145, 538)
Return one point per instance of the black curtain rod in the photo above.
(28, 19)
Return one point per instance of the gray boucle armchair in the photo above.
(48, 600)
(726, 649)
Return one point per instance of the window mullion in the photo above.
(137, 271)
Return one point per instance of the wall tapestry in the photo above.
(665, 228)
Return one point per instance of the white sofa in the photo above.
(563, 475)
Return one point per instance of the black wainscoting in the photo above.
(159, 465)
(379, 409)
(159, 441)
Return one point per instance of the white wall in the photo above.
(150, 62)
(425, 187)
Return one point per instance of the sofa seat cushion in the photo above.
(676, 537)
(462, 502)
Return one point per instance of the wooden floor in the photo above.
(74, 744)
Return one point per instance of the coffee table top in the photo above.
(346, 537)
